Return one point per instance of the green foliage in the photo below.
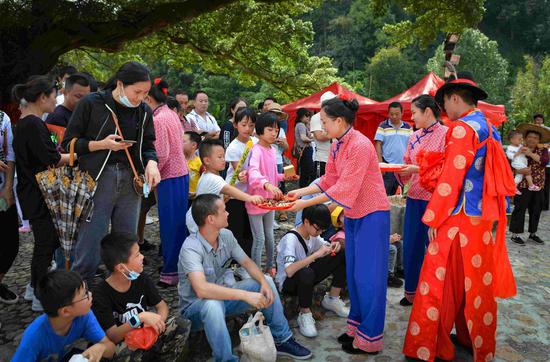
(531, 91)
(481, 56)
(431, 17)
(247, 40)
(390, 72)
(520, 27)
(349, 32)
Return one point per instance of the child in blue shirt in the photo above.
(66, 302)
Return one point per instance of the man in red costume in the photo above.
(465, 267)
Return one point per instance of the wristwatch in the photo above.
(134, 321)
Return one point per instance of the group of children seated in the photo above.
(226, 228)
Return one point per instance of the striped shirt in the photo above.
(394, 140)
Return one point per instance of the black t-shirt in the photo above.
(34, 152)
(113, 308)
(60, 116)
(128, 122)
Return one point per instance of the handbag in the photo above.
(138, 181)
(297, 151)
(257, 343)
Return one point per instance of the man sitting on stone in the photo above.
(206, 299)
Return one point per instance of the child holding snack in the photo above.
(212, 155)
(236, 155)
(262, 178)
(305, 259)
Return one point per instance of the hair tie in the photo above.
(23, 102)
(157, 81)
(344, 97)
(165, 91)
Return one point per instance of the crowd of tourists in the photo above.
(144, 145)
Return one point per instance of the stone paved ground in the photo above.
(523, 325)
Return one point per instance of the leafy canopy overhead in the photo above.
(247, 40)
(430, 18)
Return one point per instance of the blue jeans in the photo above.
(115, 204)
(208, 314)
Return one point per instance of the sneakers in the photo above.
(7, 296)
(276, 225)
(29, 293)
(336, 305)
(36, 305)
(293, 349)
(307, 325)
(150, 220)
(534, 188)
(393, 281)
(536, 239)
(518, 240)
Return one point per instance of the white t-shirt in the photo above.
(209, 183)
(279, 153)
(234, 153)
(519, 161)
(290, 250)
(321, 148)
(208, 124)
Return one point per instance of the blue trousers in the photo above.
(367, 251)
(172, 197)
(210, 314)
(415, 242)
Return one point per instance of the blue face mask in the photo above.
(132, 275)
(125, 101)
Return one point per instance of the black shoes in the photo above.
(7, 296)
(536, 239)
(518, 240)
(146, 245)
(400, 273)
(533, 237)
(393, 281)
(405, 302)
(344, 338)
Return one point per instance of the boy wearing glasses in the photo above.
(304, 259)
(66, 302)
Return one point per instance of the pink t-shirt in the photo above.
(169, 143)
(352, 178)
(262, 168)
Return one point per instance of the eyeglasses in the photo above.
(318, 229)
(87, 291)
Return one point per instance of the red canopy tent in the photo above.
(363, 123)
(427, 85)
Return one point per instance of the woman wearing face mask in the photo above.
(35, 152)
(101, 151)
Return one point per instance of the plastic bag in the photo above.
(141, 338)
(257, 342)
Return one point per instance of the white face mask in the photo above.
(125, 101)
